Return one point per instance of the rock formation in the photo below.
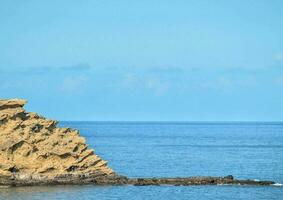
(32, 148)
(34, 151)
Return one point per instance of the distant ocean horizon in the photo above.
(246, 150)
(173, 121)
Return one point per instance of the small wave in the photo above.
(220, 184)
(278, 184)
(256, 180)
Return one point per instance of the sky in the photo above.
(149, 60)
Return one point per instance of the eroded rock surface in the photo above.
(32, 148)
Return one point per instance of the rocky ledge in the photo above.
(34, 151)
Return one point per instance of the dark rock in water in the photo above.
(229, 177)
(33, 151)
(121, 180)
(195, 181)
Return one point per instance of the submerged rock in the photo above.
(34, 151)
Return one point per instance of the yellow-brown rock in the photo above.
(32, 148)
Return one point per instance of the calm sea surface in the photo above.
(169, 149)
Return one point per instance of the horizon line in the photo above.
(174, 121)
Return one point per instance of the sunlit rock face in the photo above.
(33, 148)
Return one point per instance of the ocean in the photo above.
(246, 150)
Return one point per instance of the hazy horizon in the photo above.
(181, 122)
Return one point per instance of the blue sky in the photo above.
(144, 60)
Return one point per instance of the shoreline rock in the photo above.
(34, 151)
(123, 181)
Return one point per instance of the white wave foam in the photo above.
(278, 184)
(220, 184)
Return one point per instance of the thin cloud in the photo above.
(76, 67)
(166, 70)
(279, 56)
(73, 84)
(156, 85)
(279, 80)
(226, 82)
(47, 69)
(138, 81)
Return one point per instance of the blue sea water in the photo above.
(171, 149)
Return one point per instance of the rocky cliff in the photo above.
(33, 149)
